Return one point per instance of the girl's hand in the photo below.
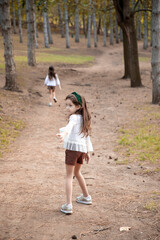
(61, 136)
(87, 157)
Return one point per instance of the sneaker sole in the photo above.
(83, 202)
(55, 100)
(66, 212)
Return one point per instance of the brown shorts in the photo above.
(51, 87)
(73, 157)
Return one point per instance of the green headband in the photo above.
(78, 97)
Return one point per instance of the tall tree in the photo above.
(111, 24)
(14, 17)
(45, 29)
(30, 32)
(19, 22)
(66, 23)
(94, 25)
(89, 24)
(76, 21)
(60, 20)
(139, 34)
(104, 24)
(116, 31)
(49, 29)
(156, 51)
(35, 29)
(10, 67)
(125, 18)
(84, 23)
(145, 41)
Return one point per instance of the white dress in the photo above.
(75, 140)
(52, 82)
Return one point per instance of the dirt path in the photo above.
(33, 174)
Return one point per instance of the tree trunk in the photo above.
(151, 29)
(60, 20)
(36, 32)
(116, 30)
(94, 26)
(139, 23)
(126, 56)
(145, 40)
(156, 51)
(111, 26)
(19, 22)
(10, 68)
(45, 29)
(14, 17)
(99, 25)
(104, 30)
(49, 30)
(84, 24)
(126, 21)
(89, 24)
(66, 23)
(121, 35)
(76, 22)
(30, 32)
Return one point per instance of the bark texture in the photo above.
(10, 68)
(156, 51)
(30, 32)
(125, 18)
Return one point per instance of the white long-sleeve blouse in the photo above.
(75, 140)
(52, 82)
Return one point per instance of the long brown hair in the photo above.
(83, 110)
(51, 72)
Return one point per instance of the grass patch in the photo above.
(142, 140)
(2, 66)
(55, 58)
(9, 130)
(144, 59)
(151, 206)
(71, 59)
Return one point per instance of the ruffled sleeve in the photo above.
(46, 80)
(57, 80)
(72, 122)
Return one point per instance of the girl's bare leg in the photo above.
(69, 179)
(50, 95)
(81, 179)
(53, 92)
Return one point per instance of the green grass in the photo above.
(144, 59)
(71, 59)
(55, 58)
(9, 130)
(151, 206)
(142, 140)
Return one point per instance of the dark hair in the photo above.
(51, 72)
(83, 110)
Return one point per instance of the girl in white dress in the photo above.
(51, 81)
(78, 145)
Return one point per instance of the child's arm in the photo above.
(46, 80)
(66, 130)
(58, 82)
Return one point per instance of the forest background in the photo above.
(74, 36)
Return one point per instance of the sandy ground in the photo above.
(33, 172)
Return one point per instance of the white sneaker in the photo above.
(67, 208)
(50, 104)
(55, 99)
(85, 200)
